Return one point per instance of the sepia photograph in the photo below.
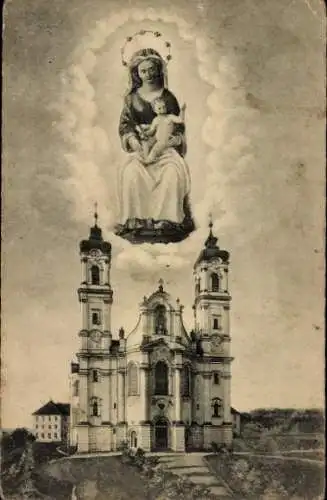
(163, 256)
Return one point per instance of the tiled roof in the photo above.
(52, 408)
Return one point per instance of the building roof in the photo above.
(95, 240)
(52, 408)
(212, 250)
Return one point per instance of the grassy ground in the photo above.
(117, 478)
(258, 477)
(98, 478)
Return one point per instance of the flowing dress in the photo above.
(157, 191)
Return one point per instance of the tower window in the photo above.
(161, 378)
(216, 378)
(95, 275)
(96, 317)
(186, 381)
(216, 324)
(217, 407)
(95, 376)
(214, 282)
(132, 379)
(95, 409)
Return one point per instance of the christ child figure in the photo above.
(162, 128)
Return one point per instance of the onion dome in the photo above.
(212, 250)
(95, 240)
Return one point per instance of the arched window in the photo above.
(217, 406)
(214, 282)
(216, 378)
(133, 439)
(95, 275)
(215, 324)
(132, 379)
(160, 320)
(197, 286)
(186, 382)
(95, 375)
(95, 409)
(161, 379)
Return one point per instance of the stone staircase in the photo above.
(193, 466)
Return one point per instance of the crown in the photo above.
(144, 39)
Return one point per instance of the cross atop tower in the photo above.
(161, 283)
(96, 214)
(210, 220)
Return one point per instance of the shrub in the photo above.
(123, 445)
(267, 444)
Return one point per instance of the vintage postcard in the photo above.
(163, 249)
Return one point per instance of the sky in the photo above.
(252, 77)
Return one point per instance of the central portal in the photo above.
(161, 434)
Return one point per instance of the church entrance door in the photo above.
(161, 434)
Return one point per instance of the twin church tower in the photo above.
(158, 387)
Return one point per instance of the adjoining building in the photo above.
(51, 423)
(159, 386)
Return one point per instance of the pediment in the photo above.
(159, 298)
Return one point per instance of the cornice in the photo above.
(218, 297)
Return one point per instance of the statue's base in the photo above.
(151, 231)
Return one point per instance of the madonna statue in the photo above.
(154, 183)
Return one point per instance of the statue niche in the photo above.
(160, 316)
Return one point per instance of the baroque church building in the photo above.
(159, 386)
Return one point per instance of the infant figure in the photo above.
(163, 127)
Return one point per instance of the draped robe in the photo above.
(156, 191)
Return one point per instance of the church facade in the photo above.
(158, 387)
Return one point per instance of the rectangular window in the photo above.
(49, 426)
(49, 435)
(49, 417)
(95, 376)
(42, 435)
(56, 418)
(96, 316)
(216, 323)
(55, 435)
(36, 426)
(36, 435)
(56, 426)
(216, 378)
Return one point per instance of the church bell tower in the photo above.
(212, 332)
(90, 376)
(95, 293)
